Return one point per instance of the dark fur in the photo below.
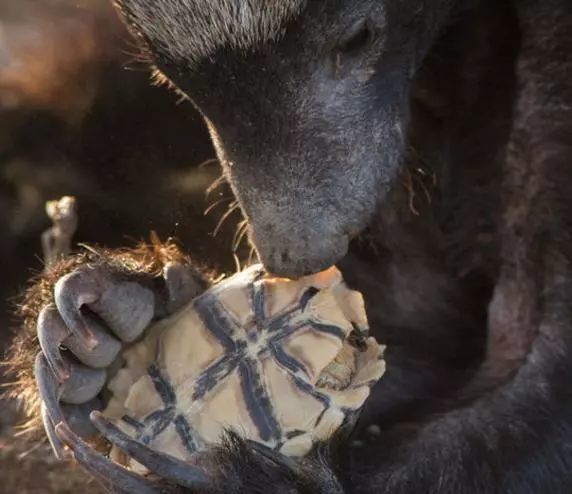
(466, 278)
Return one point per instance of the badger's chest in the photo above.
(278, 361)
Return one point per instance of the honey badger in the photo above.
(423, 146)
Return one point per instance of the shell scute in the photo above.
(295, 408)
(313, 349)
(183, 354)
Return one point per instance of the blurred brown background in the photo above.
(78, 116)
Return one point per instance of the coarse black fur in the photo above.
(439, 131)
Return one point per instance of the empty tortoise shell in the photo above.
(281, 362)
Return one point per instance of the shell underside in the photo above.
(267, 358)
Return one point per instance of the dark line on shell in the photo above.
(308, 295)
(185, 432)
(258, 301)
(133, 422)
(281, 320)
(309, 389)
(286, 329)
(278, 322)
(158, 421)
(217, 320)
(320, 417)
(294, 433)
(285, 360)
(162, 386)
(155, 416)
(213, 375)
(258, 402)
(328, 329)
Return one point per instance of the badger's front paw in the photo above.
(96, 312)
(170, 475)
(237, 466)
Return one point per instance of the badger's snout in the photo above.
(297, 254)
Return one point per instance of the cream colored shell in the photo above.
(268, 358)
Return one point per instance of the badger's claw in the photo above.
(53, 411)
(55, 443)
(125, 307)
(272, 456)
(50, 410)
(163, 465)
(115, 478)
(49, 389)
(54, 334)
(51, 335)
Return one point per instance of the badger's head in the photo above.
(306, 102)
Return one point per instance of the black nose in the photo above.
(294, 260)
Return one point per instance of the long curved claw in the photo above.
(49, 389)
(51, 411)
(113, 476)
(71, 293)
(163, 465)
(55, 443)
(53, 333)
(125, 307)
(272, 456)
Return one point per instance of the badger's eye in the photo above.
(358, 38)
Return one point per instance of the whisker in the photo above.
(239, 227)
(182, 97)
(216, 203)
(215, 185)
(28, 452)
(135, 54)
(237, 262)
(251, 255)
(210, 161)
(408, 184)
(233, 207)
(423, 188)
(241, 231)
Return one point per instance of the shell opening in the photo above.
(339, 373)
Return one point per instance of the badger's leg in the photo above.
(96, 311)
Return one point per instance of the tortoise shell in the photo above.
(270, 358)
